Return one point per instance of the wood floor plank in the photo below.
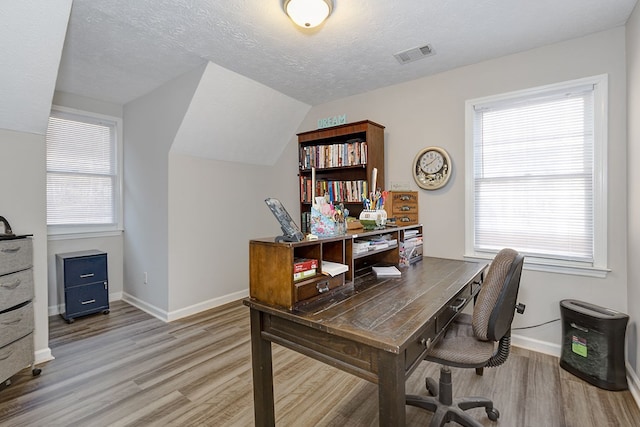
(130, 369)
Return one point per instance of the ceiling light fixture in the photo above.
(308, 13)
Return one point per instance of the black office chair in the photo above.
(470, 342)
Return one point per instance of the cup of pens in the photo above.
(373, 215)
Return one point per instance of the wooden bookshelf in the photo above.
(344, 157)
(271, 265)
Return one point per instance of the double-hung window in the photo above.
(536, 176)
(83, 172)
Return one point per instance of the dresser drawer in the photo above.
(404, 202)
(16, 288)
(307, 290)
(406, 219)
(16, 356)
(15, 324)
(15, 255)
(86, 299)
(86, 269)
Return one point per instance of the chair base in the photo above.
(445, 408)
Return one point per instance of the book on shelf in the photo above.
(333, 268)
(304, 264)
(304, 274)
(390, 271)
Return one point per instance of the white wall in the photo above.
(215, 208)
(633, 159)
(150, 126)
(430, 111)
(23, 204)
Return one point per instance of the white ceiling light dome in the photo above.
(308, 13)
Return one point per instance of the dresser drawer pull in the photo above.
(457, 307)
(405, 219)
(323, 287)
(11, 285)
(91, 301)
(84, 276)
(425, 342)
(11, 250)
(12, 322)
(405, 197)
(405, 208)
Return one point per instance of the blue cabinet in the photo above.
(83, 283)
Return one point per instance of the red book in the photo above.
(304, 264)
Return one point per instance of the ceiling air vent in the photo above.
(414, 54)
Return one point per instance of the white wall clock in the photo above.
(432, 168)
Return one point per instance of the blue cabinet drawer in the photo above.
(87, 299)
(85, 269)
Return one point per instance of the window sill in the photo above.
(537, 264)
(84, 235)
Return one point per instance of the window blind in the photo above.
(534, 175)
(81, 170)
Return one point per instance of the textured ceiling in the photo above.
(118, 50)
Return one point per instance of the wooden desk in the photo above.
(379, 330)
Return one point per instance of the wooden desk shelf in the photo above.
(271, 265)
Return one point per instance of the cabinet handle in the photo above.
(404, 198)
(10, 250)
(405, 208)
(405, 219)
(91, 301)
(12, 285)
(461, 303)
(12, 322)
(84, 276)
(322, 287)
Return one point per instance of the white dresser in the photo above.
(16, 306)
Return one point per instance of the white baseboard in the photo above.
(634, 384)
(44, 355)
(186, 311)
(536, 345)
(146, 307)
(206, 305)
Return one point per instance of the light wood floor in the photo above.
(130, 369)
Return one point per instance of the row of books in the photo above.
(351, 153)
(338, 191)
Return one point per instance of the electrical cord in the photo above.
(535, 326)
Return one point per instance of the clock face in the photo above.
(432, 168)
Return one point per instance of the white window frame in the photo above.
(60, 232)
(599, 267)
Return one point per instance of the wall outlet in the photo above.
(146, 278)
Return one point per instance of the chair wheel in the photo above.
(105, 311)
(36, 371)
(493, 414)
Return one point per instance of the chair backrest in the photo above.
(496, 303)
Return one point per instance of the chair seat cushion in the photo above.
(459, 347)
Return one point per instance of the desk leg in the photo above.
(391, 389)
(262, 373)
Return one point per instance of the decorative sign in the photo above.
(332, 121)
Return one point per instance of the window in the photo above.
(83, 172)
(536, 176)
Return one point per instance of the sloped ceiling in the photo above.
(234, 118)
(31, 39)
(118, 50)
